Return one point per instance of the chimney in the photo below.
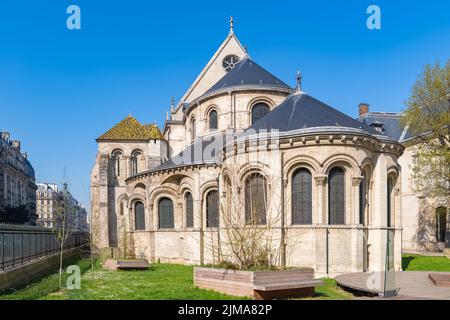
(5, 136)
(363, 108)
(16, 144)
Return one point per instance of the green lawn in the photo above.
(415, 262)
(162, 281)
(173, 281)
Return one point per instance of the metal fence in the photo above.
(21, 244)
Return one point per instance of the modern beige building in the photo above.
(17, 181)
(328, 185)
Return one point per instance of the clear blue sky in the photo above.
(61, 89)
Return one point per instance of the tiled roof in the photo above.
(248, 73)
(131, 129)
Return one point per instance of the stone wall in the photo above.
(25, 274)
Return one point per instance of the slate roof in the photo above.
(202, 150)
(390, 123)
(301, 111)
(131, 129)
(248, 73)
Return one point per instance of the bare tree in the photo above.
(64, 222)
(250, 236)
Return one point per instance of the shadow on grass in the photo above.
(406, 261)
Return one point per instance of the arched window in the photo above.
(441, 224)
(193, 129)
(336, 196)
(259, 110)
(165, 213)
(363, 198)
(135, 161)
(213, 120)
(139, 216)
(390, 189)
(255, 199)
(189, 205)
(212, 209)
(116, 161)
(302, 197)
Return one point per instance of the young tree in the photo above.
(251, 235)
(64, 223)
(428, 118)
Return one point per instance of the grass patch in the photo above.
(45, 286)
(416, 262)
(330, 291)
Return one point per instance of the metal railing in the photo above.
(20, 244)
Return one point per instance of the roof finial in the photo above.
(231, 24)
(172, 104)
(167, 115)
(299, 77)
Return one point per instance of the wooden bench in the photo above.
(113, 264)
(440, 280)
(286, 289)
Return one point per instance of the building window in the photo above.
(390, 189)
(363, 199)
(139, 216)
(189, 204)
(441, 224)
(212, 209)
(213, 120)
(302, 197)
(259, 110)
(165, 213)
(255, 199)
(193, 129)
(116, 162)
(336, 196)
(135, 162)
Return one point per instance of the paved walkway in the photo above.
(411, 284)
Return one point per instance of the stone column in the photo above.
(357, 244)
(321, 208)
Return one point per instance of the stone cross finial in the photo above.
(299, 81)
(231, 24)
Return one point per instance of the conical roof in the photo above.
(248, 73)
(301, 111)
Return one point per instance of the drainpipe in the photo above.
(327, 252)
(283, 233)
(202, 235)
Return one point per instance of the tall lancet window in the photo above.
(135, 155)
(390, 196)
(189, 204)
(139, 216)
(302, 197)
(212, 209)
(259, 110)
(116, 161)
(193, 129)
(255, 199)
(213, 120)
(336, 196)
(363, 199)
